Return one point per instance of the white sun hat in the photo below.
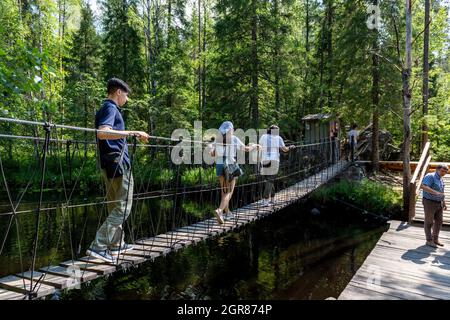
(225, 127)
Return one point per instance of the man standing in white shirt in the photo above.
(271, 144)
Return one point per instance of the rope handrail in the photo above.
(53, 125)
(61, 126)
(137, 196)
(93, 142)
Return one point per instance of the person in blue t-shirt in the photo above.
(434, 204)
(116, 172)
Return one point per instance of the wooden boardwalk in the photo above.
(402, 267)
(70, 274)
(419, 216)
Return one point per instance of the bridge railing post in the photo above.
(412, 201)
(352, 149)
(334, 150)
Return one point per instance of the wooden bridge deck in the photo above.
(69, 274)
(419, 217)
(401, 267)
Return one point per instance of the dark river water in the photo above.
(293, 254)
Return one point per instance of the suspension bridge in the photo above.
(61, 159)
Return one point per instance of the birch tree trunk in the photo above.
(406, 76)
(426, 67)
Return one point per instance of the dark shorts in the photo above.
(219, 170)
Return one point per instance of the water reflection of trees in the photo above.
(270, 259)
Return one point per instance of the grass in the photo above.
(367, 195)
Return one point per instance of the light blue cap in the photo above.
(225, 127)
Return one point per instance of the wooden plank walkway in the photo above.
(70, 274)
(402, 267)
(419, 217)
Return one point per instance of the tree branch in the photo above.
(397, 38)
(395, 113)
(429, 22)
(383, 57)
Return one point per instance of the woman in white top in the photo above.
(271, 144)
(226, 149)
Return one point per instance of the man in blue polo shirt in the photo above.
(434, 204)
(116, 172)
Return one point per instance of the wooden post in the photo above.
(352, 149)
(412, 201)
(333, 150)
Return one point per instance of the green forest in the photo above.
(254, 62)
(382, 66)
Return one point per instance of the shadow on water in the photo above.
(291, 255)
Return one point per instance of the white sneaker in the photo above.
(219, 216)
(101, 254)
(124, 248)
(230, 216)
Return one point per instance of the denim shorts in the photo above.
(219, 169)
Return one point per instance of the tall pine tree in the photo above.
(84, 88)
(122, 43)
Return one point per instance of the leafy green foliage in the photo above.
(250, 61)
(197, 176)
(368, 195)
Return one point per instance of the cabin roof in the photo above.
(317, 116)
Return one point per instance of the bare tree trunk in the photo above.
(277, 61)
(62, 27)
(200, 108)
(85, 104)
(406, 76)
(307, 27)
(169, 22)
(321, 64)
(157, 13)
(156, 51)
(150, 51)
(375, 101)
(330, 51)
(255, 68)
(169, 97)
(124, 63)
(426, 67)
(45, 113)
(150, 62)
(204, 59)
(302, 103)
